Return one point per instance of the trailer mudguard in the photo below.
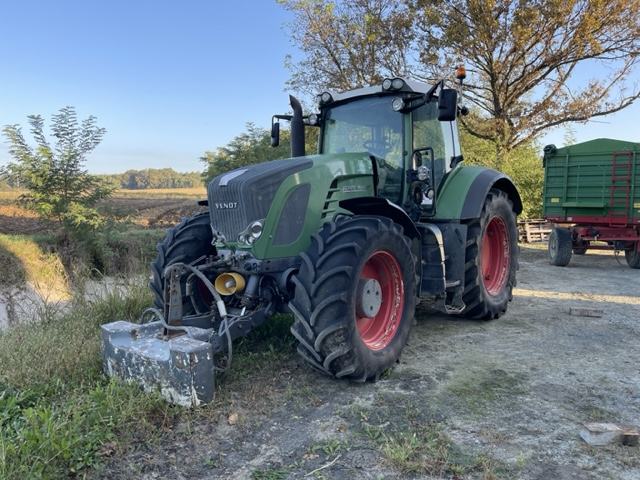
(463, 192)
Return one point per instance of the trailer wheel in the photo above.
(491, 259)
(632, 256)
(186, 242)
(581, 248)
(355, 296)
(560, 247)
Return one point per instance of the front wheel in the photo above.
(491, 259)
(355, 296)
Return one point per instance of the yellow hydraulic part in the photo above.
(229, 283)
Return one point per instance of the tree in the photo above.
(57, 183)
(251, 147)
(523, 164)
(523, 55)
(348, 44)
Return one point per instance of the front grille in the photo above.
(248, 196)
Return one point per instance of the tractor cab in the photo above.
(407, 128)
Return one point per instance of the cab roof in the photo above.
(410, 86)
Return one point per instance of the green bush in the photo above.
(57, 183)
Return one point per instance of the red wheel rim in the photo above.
(496, 256)
(378, 331)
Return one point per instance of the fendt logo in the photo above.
(225, 205)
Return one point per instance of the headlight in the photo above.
(250, 234)
(398, 104)
(255, 229)
(324, 98)
(397, 83)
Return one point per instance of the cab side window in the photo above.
(427, 132)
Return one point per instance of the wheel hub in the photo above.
(369, 297)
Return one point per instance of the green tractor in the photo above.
(348, 240)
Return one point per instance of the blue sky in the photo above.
(168, 80)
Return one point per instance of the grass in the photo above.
(11, 194)
(23, 260)
(195, 192)
(413, 440)
(59, 416)
(270, 474)
(476, 388)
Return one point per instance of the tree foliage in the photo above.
(523, 164)
(525, 60)
(54, 175)
(522, 55)
(251, 147)
(348, 44)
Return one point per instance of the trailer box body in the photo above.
(595, 182)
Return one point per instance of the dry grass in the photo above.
(195, 192)
(11, 195)
(23, 260)
(16, 211)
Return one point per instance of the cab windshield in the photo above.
(369, 125)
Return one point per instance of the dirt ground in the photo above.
(140, 211)
(499, 399)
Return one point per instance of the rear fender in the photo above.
(463, 193)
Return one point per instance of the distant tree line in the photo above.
(154, 178)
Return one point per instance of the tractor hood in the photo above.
(244, 195)
(285, 194)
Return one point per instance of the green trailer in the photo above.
(592, 195)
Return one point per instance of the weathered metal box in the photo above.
(181, 369)
(595, 182)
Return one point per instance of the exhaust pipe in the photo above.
(297, 128)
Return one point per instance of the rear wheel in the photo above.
(491, 259)
(355, 296)
(186, 242)
(633, 256)
(560, 247)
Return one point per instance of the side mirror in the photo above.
(275, 134)
(447, 105)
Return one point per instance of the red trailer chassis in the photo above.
(579, 237)
(584, 230)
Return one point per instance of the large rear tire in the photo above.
(560, 247)
(491, 259)
(633, 256)
(355, 296)
(186, 242)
